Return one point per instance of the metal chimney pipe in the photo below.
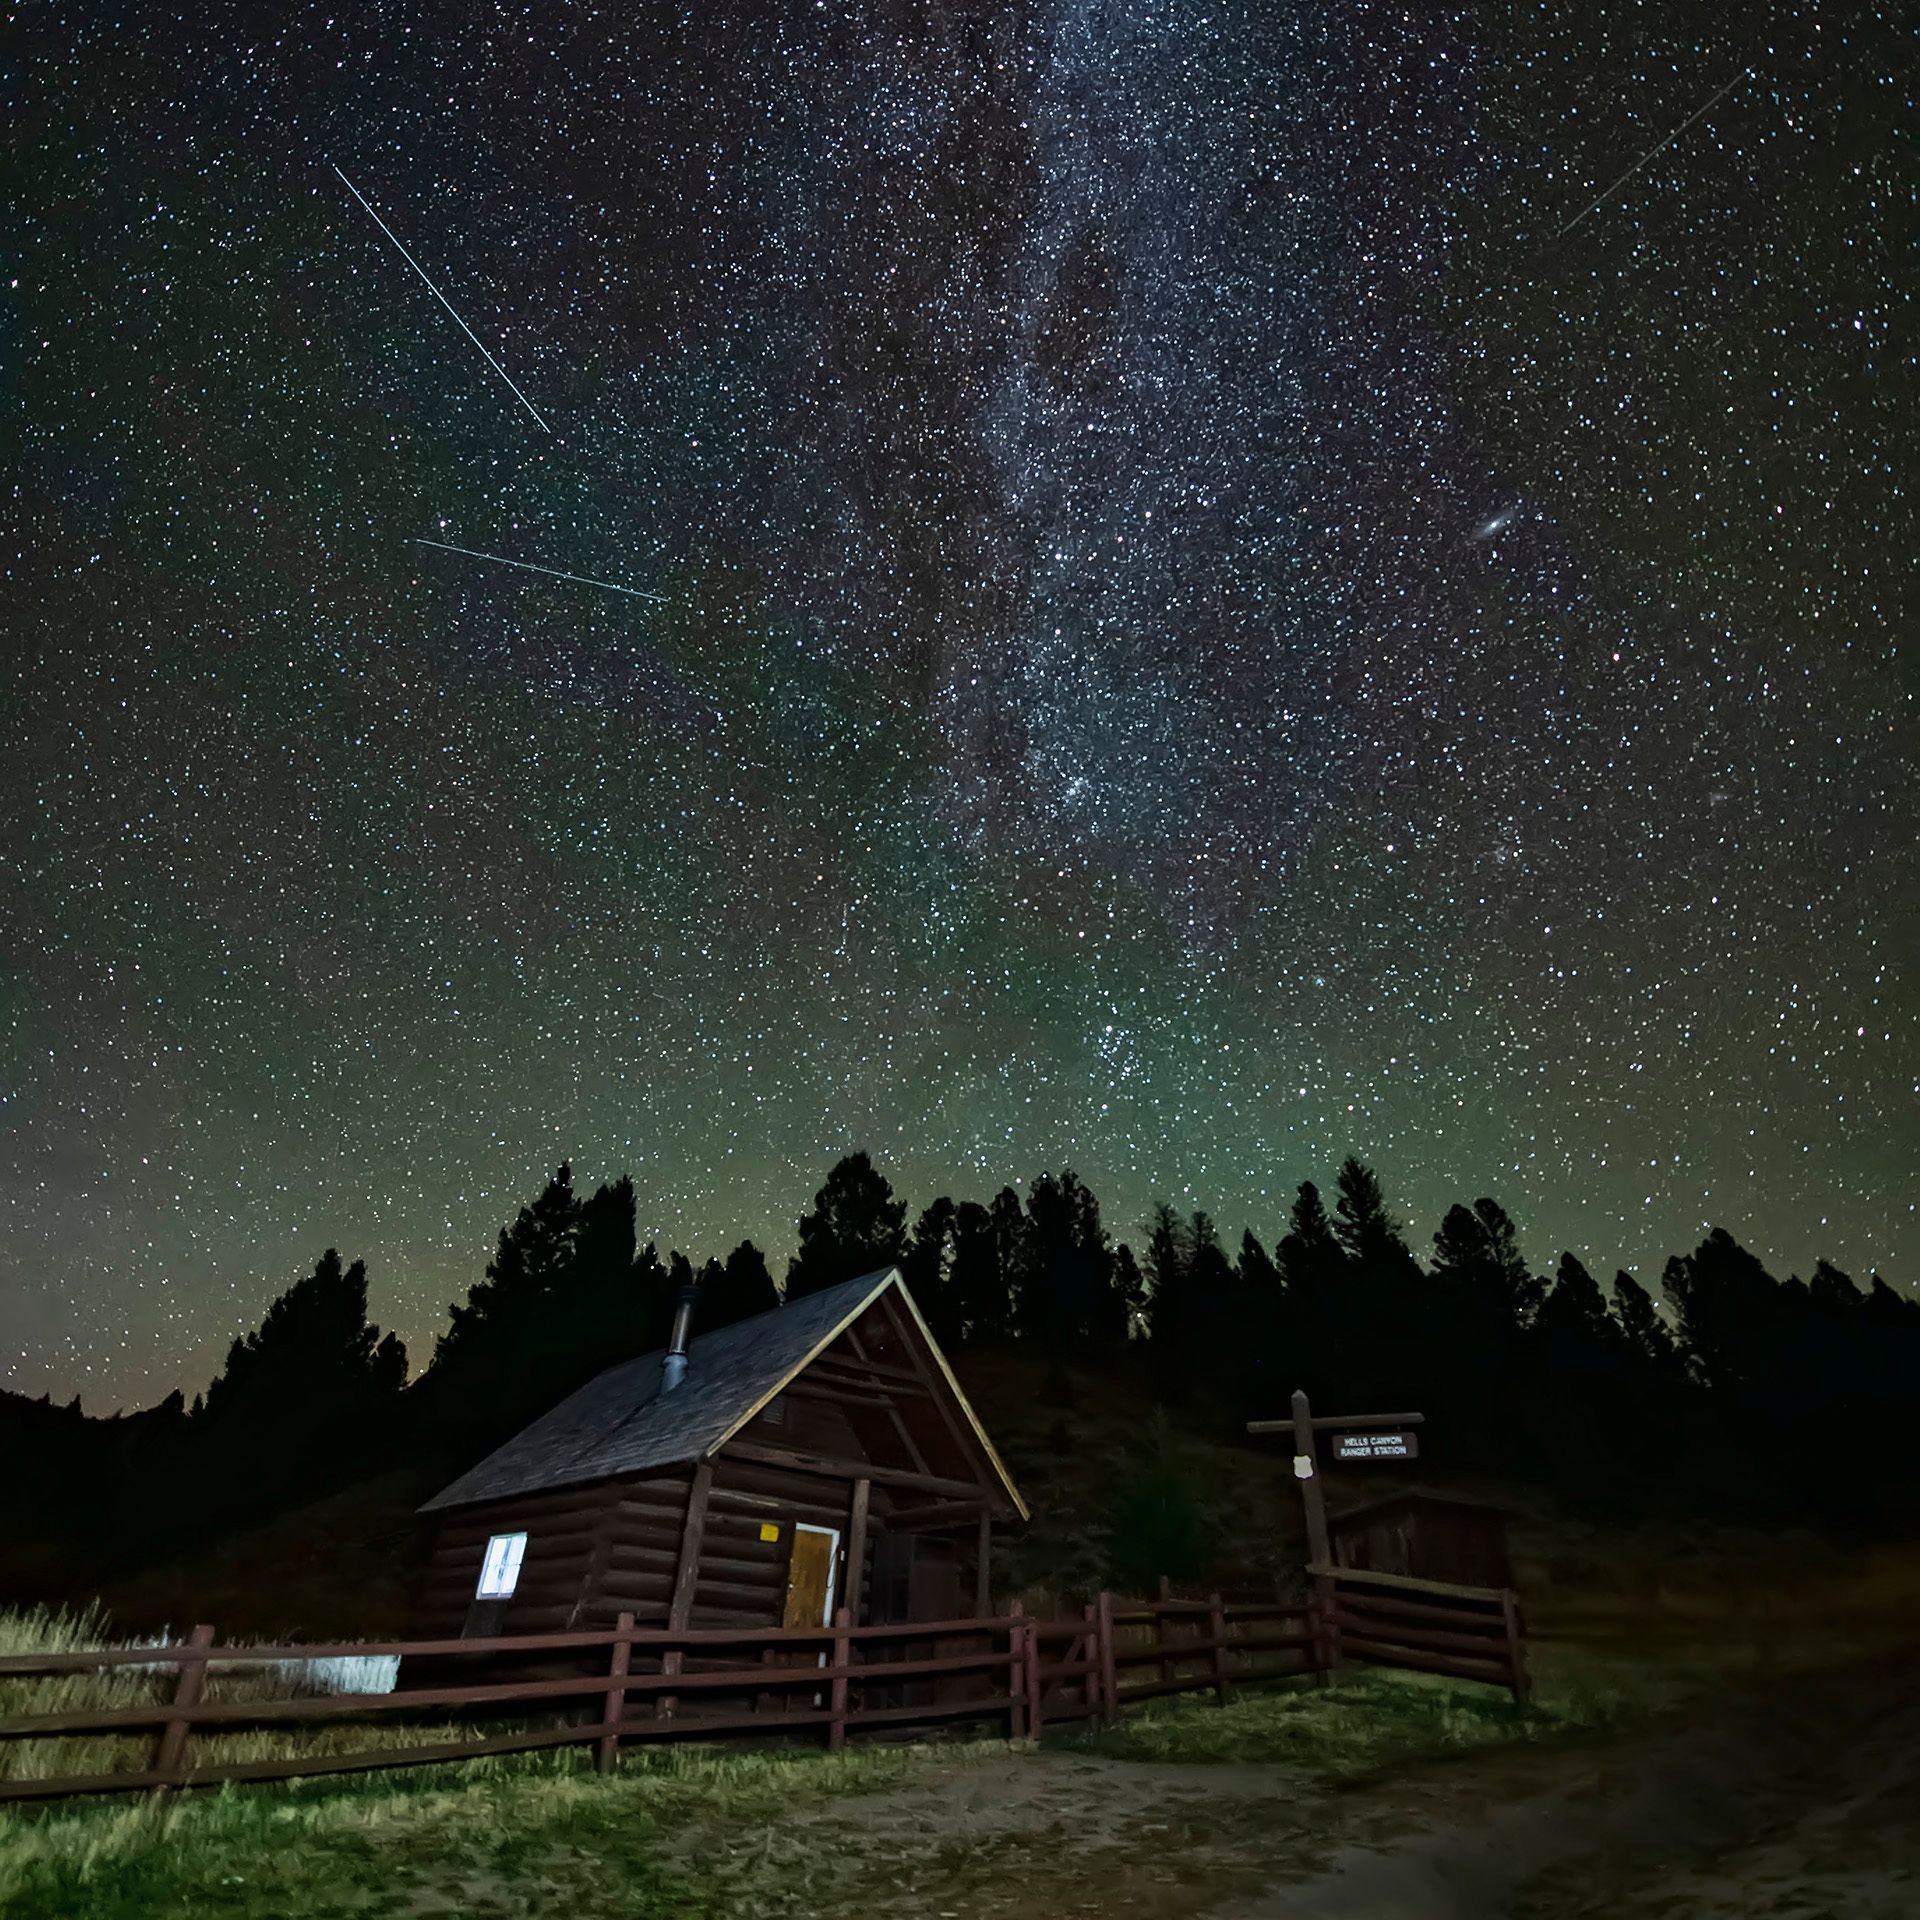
(673, 1366)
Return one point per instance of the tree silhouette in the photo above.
(1477, 1255)
(562, 1300)
(1066, 1267)
(1573, 1320)
(1264, 1343)
(1009, 1248)
(1310, 1261)
(927, 1267)
(1363, 1226)
(1124, 1307)
(981, 1301)
(855, 1228)
(1731, 1316)
(1380, 1321)
(309, 1396)
(1646, 1336)
(735, 1289)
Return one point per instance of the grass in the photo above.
(510, 1836)
(703, 1833)
(1374, 1721)
(693, 1831)
(60, 1630)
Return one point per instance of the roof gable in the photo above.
(621, 1423)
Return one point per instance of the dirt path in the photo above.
(1804, 1805)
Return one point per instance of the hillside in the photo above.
(342, 1565)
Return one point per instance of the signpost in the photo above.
(1356, 1436)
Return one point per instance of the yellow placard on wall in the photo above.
(768, 1531)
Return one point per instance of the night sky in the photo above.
(1209, 620)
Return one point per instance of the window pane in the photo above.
(500, 1570)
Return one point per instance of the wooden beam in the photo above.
(934, 1519)
(879, 1399)
(905, 1335)
(857, 1549)
(906, 1439)
(983, 1573)
(860, 1365)
(687, 1578)
(801, 1460)
(1323, 1421)
(692, 1534)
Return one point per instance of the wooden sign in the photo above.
(1376, 1446)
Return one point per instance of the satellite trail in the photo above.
(500, 559)
(1654, 153)
(442, 298)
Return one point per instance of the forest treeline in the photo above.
(1738, 1394)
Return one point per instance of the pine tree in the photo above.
(1731, 1316)
(1574, 1311)
(1009, 1248)
(1379, 1321)
(1647, 1337)
(1477, 1256)
(1169, 1256)
(1264, 1347)
(653, 1300)
(855, 1228)
(982, 1302)
(1065, 1265)
(735, 1290)
(309, 1396)
(501, 1311)
(1363, 1226)
(1123, 1310)
(927, 1267)
(593, 1318)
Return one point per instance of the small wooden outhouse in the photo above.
(1430, 1536)
(815, 1456)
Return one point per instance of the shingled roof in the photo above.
(620, 1422)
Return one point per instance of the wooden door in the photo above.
(810, 1577)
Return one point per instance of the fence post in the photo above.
(1516, 1647)
(1109, 1667)
(1091, 1678)
(170, 1749)
(837, 1693)
(615, 1710)
(1217, 1633)
(1160, 1633)
(1036, 1683)
(1016, 1671)
(1324, 1625)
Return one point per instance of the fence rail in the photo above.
(637, 1684)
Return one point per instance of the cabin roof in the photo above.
(620, 1422)
(1452, 1505)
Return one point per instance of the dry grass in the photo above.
(60, 1630)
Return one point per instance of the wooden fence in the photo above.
(1019, 1672)
(1388, 1619)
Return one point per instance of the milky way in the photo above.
(1211, 620)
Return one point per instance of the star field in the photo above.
(1206, 627)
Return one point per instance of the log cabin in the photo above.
(815, 1456)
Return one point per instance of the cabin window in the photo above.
(500, 1570)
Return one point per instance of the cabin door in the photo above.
(810, 1582)
(816, 1550)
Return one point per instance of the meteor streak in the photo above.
(442, 298)
(1655, 152)
(500, 559)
